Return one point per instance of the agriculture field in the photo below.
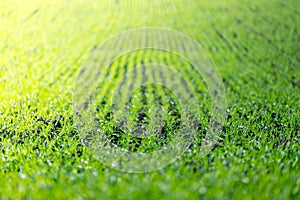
(47, 47)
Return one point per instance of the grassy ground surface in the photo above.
(255, 45)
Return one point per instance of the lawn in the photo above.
(254, 45)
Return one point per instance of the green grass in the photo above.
(255, 46)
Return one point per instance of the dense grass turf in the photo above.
(255, 46)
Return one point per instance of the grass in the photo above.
(255, 46)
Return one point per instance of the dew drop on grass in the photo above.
(245, 180)
(95, 173)
(202, 190)
(22, 176)
(114, 164)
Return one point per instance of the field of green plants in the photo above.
(255, 47)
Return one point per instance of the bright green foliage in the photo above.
(254, 44)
